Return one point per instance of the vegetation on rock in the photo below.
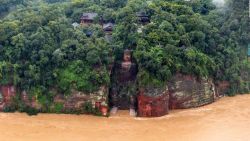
(40, 49)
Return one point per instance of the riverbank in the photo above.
(227, 119)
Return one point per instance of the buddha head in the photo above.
(127, 55)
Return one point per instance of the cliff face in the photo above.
(188, 92)
(78, 100)
(74, 103)
(153, 102)
(221, 88)
(182, 91)
(7, 93)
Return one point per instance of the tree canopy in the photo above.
(40, 49)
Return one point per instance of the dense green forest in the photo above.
(40, 50)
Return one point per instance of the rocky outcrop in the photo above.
(76, 100)
(30, 101)
(72, 103)
(183, 91)
(221, 88)
(7, 93)
(153, 102)
(186, 91)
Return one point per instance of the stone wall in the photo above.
(186, 91)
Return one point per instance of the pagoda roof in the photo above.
(141, 14)
(89, 16)
(108, 25)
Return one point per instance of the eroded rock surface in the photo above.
(187, 92)
(30, 101)
(153, 102)
(221, 88)
(7, 92)
(76, 100)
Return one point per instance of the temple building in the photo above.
(108, 28)
(88, 18)
(143, 18)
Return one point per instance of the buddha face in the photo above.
(127, 56)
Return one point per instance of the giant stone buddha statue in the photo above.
(123, 91)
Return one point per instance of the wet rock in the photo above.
(8, 92)
(59, 98)
(221, 88)
(30, 101)
(76, 100)
(154, 91)
(187, 91)
(153, 102)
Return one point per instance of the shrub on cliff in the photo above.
(40, 49)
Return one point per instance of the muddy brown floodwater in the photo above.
(226, 120)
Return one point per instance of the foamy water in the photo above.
(226, 120)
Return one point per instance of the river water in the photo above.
(228, 119)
